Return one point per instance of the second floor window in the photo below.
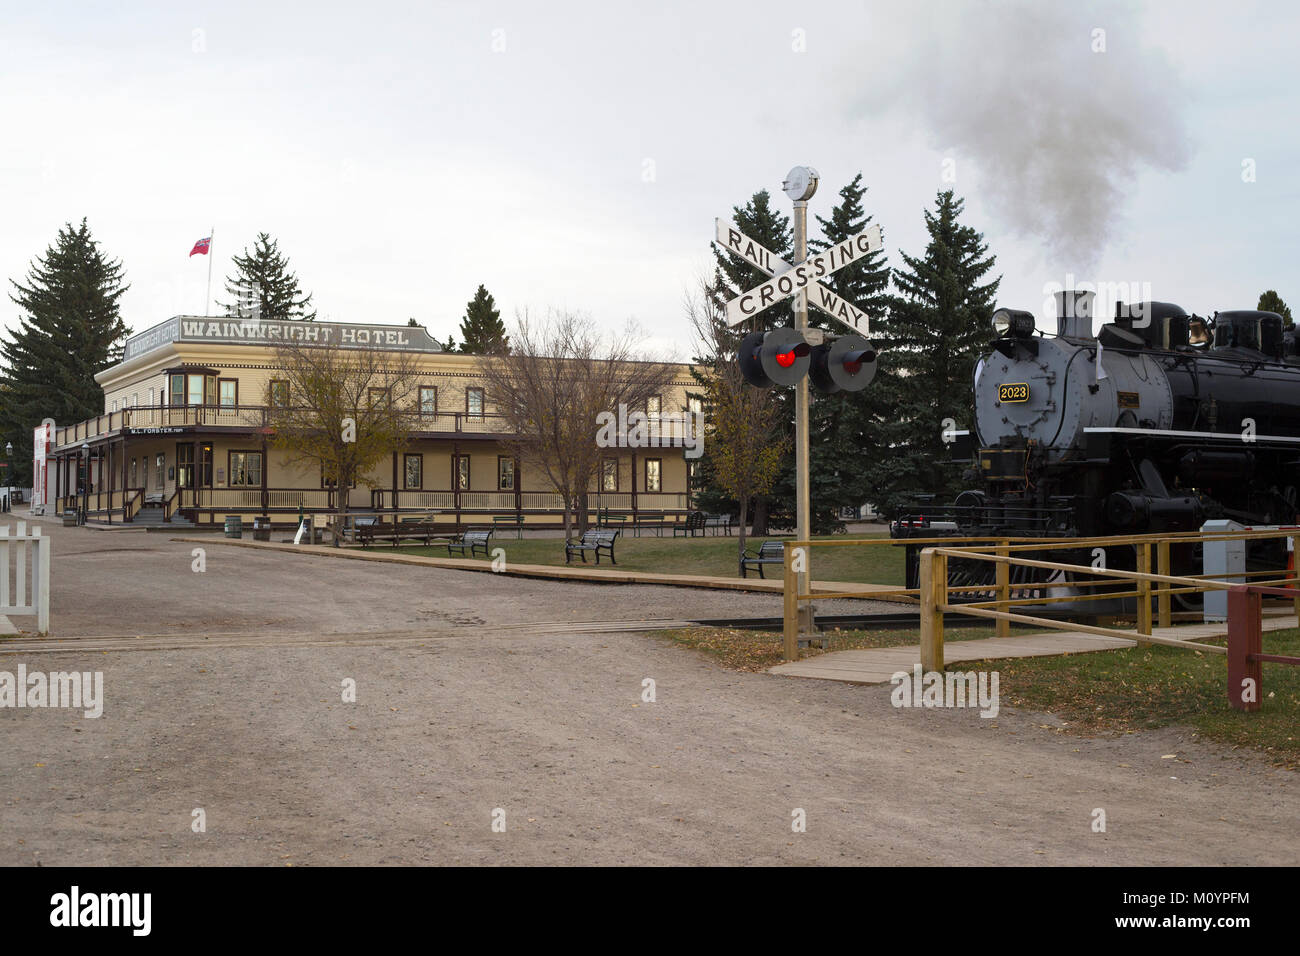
(428, 401)
(279, 392)
(228, 393)
(474, 403)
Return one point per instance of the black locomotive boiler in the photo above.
(1159, 423)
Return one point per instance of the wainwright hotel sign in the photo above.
(226, 331)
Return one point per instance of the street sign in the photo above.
(803, 276)
(819, 297)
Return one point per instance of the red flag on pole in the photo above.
(201, 247)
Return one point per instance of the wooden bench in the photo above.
(769, 552)
(475, 539)
(718, 522)
(656, 525)
(407, 529)
(606, 520)
(595, 540)
(694, 522)
(509, 523)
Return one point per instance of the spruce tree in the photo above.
(1270, 301)
(481, 330)
(70, 328)
(263, 287)
(732, 276)
(937, 328)
(845, 428)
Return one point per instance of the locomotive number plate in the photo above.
(1013, 393)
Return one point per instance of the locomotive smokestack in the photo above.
(1074, 314)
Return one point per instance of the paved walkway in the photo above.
(877, 665)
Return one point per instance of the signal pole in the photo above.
(799, 185)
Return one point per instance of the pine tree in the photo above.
(263, 287)
(1270, 301)
(481, 330)
(845, 429)
(732, 276)
(936, 329)
(69, 330)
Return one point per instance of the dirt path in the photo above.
(551, 728)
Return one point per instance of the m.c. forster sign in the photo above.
(183, 328)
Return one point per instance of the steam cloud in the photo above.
(1056, 131)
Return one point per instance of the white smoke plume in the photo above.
(1057, 118)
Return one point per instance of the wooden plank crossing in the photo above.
(877, 665)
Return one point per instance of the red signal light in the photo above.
(785, 359)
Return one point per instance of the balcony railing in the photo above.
(250, 417)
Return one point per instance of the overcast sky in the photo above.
(574, 155)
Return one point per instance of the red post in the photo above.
(1245, 644)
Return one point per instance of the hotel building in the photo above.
(183, 438)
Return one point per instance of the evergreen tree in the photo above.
(1270, 301)
(69, 330)
(481, 330)
(845, 428)
(263, 287)
(936, 329)
(732, 276)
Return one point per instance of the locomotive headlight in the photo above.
(1013, 323)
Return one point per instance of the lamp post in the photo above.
(9, 468)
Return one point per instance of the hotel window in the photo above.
(279, 392)
(135, 400)
(474, 404)
(462, 472)
(609, 474)
(114, 407)
(134, 474)
(193, 390)
(414, 472)
(428, 401)
(695, 409)
(653, 471)
(505, 474)
(377, 396)
(653, 408)
(160, 474)
(228, 392)
(245, 469)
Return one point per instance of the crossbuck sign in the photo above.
(790, 280)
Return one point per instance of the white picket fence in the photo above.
(31, 590)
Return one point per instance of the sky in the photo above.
(573, 156)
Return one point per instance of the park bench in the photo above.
(769, 552)
(718, 523)
(595, 540)
(606, 520)
(694, 522)
(508, 523)
(370, 529)
(656, 524)
(475, 539)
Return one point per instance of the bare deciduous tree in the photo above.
(345, 411)
(742, 441)
(559, 376)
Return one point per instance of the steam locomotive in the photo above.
(1160, 422)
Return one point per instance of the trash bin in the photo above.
(261, 529)
(234, 526)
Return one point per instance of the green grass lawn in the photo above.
(874, 564)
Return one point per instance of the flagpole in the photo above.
(207, 302)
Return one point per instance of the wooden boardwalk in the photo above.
(878, 664)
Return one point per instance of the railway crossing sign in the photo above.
(790, 280)
(819, 297)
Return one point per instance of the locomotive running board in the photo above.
(1235, 437)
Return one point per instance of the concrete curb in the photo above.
(588, 574)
